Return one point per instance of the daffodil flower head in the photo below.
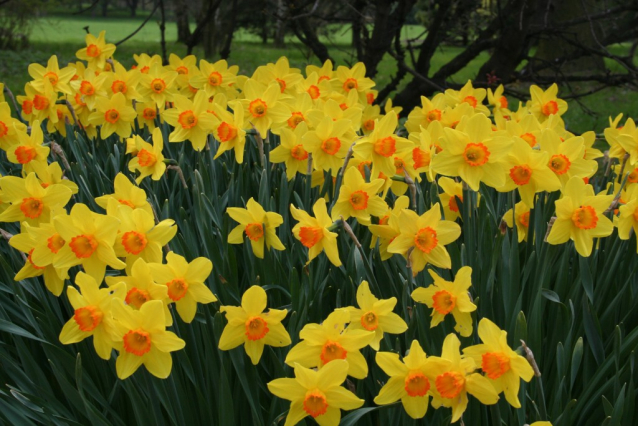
(28, 150)
(566, 158)
(97, 51)
(580, 217)
(258, 225)
(408, 380)
(318, 394)
(330, 341)
(149, 160)
(545, 104)
(185, 283)
(503, 366)
(190, 119)
(389, 227)
(453, 377)
(520, 216)
(249, 325)
(445, 297)
(359, 199)
(291, 151)
(92, 314)
(227, 129)
(141, 338)
(314, 232)
(114, 115)
(375, 315)
(127, 194)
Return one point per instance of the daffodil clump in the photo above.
(348, 238)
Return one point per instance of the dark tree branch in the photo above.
(148, 18)
(91, 6)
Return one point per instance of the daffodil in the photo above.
(261, 105)
(190, 120)
(566, 158)
(31, 202)
(90, 87)
(528, 129)
(158, 85)
(324, 73)
(147, 113)
(214, 78)
(149, 160)
(628, 218)
(186, 68)
(89, 241)
(451, 191)
(314, 232)
(329, 341)
(498, 100)
(97, 51)
(127, 194)
(124, 81)
(139, 236)
(375, 315)
(43, 243)
(408, 380)
(249, 325)
(369, 117)
(545, 104)
(580, 217)
(423, 151)
(445, 297)
(335, 111)
(501, 365)
(314, 86)
(28, 149)
(528, 172)
(382, 144)
(352, 79)
(141, 338)
(115, 115)
(428, 235)
(9, 127)
(389, 227)
(520, 216)
(298, 108)
(453, 377)
(227, 129)
(329, 143)
(92, 314)
(51, 75)
(359, 199)
(473, 152)
(291, 151)
(428, 112)
(258, 225)
(318, 394)
(146, 62)
(468, 95)
(184, 282)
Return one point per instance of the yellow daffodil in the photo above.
(329, 341)
(9, 127)
(329, 143)
(428, 234)
(298, 108)
(28, 149)
(528, 129)
(314, 232)
(580, 217)
(315, 86)
(291, 151)
(149, 160)
(528, 172)
(91, 87)
(228, 131)
(186, 68)
(123, 81)
(142, 288)
(566, 158)
(30, 202)
(382, 144)
(318, 394)
(445, 297)
(498, 100)
(501, 365)
(89, 241)
(258, 225)
(429, 111)
(139, 236)
(324, 73)
(352, 79)
(92, 314)
(359, 199)
(147, 113)
(261, 105)
(97, 51)
(468, 95)
(280, 72)
(51, 75)
(521, 218)
(146, 62)
(425, 148)
(389, 227)
(369, 117)
(249, 325)
(375, 315)
(408, 381)
(333, 110)
(190, 120)
(141, 338)
(184, 282)
(451, 191)
(127, 194)
(158, 85)
(453, 378)
(628, 218)
(214, 78)
(115, 115)
(43, 243)
(545, 104)
(473, 152)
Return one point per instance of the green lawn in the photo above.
(64, 35)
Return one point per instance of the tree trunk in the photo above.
(105, 8)
(180, 8)
(133, 7)
(225, 51)
(280, 25)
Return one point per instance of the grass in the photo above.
(63, 35)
